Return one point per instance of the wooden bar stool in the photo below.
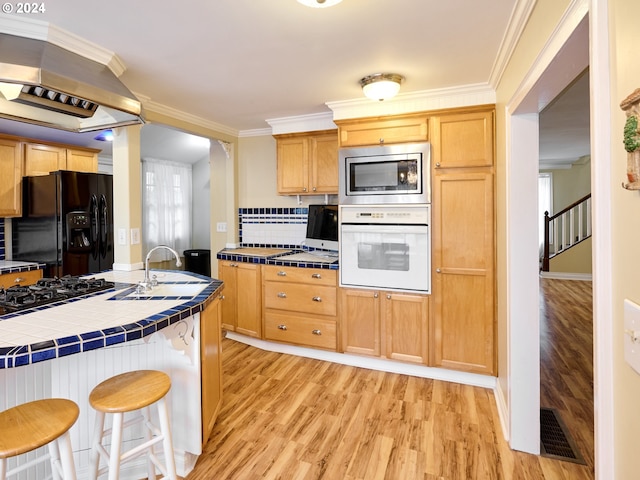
(32, 425)
(128, 392)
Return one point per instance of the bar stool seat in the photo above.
(129, 392)
(32, 425)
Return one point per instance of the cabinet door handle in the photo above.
(316, 299)
(281, 273)
(388, 296)
(282, 327)
(233, 264)
(316, 332)
(282, 295)
(381, 140)
(437, 164)
(221, 297)
(437, 270)
(375, 295)
(316, 275)
(304, 189)
(314, 189)
(18, 280)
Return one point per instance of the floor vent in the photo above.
(555, 441)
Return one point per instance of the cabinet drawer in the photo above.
(312, 276)
(301, 331)
(20, 278)
(296, 297)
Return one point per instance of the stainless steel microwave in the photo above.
(385, 174)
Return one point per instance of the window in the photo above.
(166, 207)
(545, 204)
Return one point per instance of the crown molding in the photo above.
(478, 94)
(302, 123)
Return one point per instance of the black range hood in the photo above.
(44, 84)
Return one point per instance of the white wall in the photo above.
(200, 211)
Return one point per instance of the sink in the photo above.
(172, 290)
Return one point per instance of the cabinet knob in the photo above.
(381, 140)
(304, 189)
(437, 270)
(282, 273)
(314, 189)
(316, 299)
(316, 332)
(316, 275)
(18, 280)
(437, 164)
(375, 295)
(221, 297)
(233, 264)
(282, 295)
(282, 327)
(388, 296)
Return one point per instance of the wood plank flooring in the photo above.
(286, 417)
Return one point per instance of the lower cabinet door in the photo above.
(313, 332)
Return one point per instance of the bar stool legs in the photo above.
(128, 392)
(31, 425)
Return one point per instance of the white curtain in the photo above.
(166, 207)
(545, 204)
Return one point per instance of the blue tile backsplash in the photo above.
(274, 227)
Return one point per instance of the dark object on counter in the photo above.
(48, 290)
(67, 223)
(198, 261)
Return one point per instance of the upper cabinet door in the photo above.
(82, 161)
(377, 131)
(43, 159)
(11, 175)
(463, 140)
(324, 164)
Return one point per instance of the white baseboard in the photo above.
(567, 276)
(380, 364)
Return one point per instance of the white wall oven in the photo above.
(388, 174)
(386, 247)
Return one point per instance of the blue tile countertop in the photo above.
(101, 319)
(288, 257)
(8, 266)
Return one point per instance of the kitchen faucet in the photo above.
(146, 284)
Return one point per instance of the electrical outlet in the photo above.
(632, 334)
(135, 236)
(122, 236)
(221, 227)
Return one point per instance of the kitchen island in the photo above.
(64, 349)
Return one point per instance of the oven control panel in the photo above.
(386, 214)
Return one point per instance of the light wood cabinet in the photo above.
(11, 175)
(463, 241)
(307, 163)
(383, 130)
(41, 159)
(82, 160)
(242, 297)
(211, 365)
(383, 323)
(20, 278)
(301, 306)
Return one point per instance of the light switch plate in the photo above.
(632, 334)
(221, 227)
(122, 236)
(135, 236)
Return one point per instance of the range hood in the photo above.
(46, 85)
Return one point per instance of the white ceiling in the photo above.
(239, 63)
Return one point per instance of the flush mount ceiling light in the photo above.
(381, 86)
(319, 3)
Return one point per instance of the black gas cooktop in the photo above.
(48, 290)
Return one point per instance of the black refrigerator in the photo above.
(66, 223)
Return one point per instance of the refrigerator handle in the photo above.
(93, 212)
(103, 225)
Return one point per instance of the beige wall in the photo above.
(625, 214)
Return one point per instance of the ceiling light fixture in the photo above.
(381, 86)
(319, 3)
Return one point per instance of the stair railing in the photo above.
(566, 229)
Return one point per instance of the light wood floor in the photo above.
(286, 417)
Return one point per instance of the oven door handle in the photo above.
(348, 228)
